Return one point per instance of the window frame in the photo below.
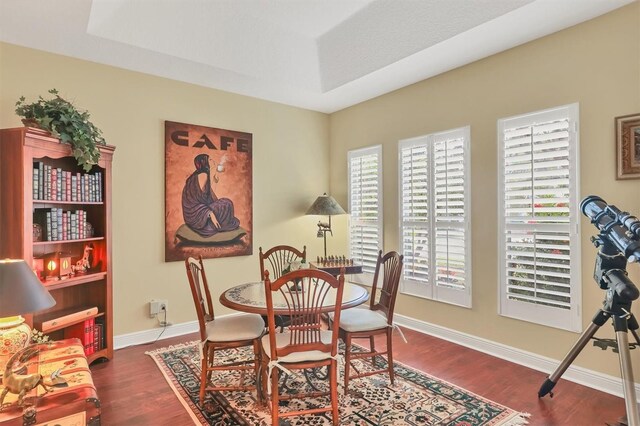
(430, 290)
(366, 278)
(570, 319)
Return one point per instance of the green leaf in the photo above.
(66, 122)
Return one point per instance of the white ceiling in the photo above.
(323, 55)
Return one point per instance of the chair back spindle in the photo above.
(201, 294)
(278, 258)
(390, 266)
(305, 293)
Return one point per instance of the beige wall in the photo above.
(596, 64)
(290, 158)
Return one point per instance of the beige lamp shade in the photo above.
(325, 205)
(21, 292)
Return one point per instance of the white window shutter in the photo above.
(365, 208)
(434, 206)
(539, 217)
(450, 203)
(415, 246)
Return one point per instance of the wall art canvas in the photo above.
(208, 192)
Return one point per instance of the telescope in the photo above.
(620, 228)
(618, 242)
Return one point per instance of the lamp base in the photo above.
(15, 334)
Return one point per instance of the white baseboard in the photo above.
(583, 376)
(147, 336)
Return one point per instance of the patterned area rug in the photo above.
(415, 399)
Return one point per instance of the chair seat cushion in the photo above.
(282, 339)
(240, 327)
(355, 320)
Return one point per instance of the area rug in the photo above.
(416, 398)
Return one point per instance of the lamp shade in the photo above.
(325, 205)
(21, 292)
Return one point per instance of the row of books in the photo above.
(55, 184)
(59, 225)
(91, 334)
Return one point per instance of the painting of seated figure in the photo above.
(208, 192)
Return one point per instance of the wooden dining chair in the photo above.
(276, 260)
(304, 344)
(366, 323)
(222, 333)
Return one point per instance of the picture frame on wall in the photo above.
(208, 192)
(628, 146)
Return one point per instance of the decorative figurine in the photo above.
(84, 264)
(21, 384)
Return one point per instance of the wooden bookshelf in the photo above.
(21, 151)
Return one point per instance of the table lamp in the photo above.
(325, 205)
(21, 292)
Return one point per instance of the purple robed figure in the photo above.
(202, 210)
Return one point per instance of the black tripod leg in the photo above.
(598, 320)
(628, 384)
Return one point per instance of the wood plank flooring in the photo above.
(133, 391)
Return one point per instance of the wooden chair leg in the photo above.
(372, 346)
(256, 368)
(275, 418)
(211, 354)
(390, 354)
(263, 381)
(333, 383)
(204, 373)
(347, 360)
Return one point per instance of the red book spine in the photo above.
(88, 336)
(78, 190)
(65, 226)
(54, 184)
(68, 188)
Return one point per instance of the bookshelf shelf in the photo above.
(46, 243)
(43, 185)
(68, 203)
(73, 281)
(69, 324)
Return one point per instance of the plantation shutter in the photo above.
(539, 209)
(449, 198)
(433, 173)
(365, 207)
(414, 171)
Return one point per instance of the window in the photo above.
(435, 216)
(538, 207)
(365, 207)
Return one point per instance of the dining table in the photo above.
(250, 297)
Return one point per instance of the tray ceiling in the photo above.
(323, 55)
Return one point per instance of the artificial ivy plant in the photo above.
(66, 122)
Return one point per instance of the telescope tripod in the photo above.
(610, 273)
(621, 324)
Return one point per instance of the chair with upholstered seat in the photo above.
(301, 296)
(377, 319)
(222, 333)
(277, 261)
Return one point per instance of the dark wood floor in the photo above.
(134, 392)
